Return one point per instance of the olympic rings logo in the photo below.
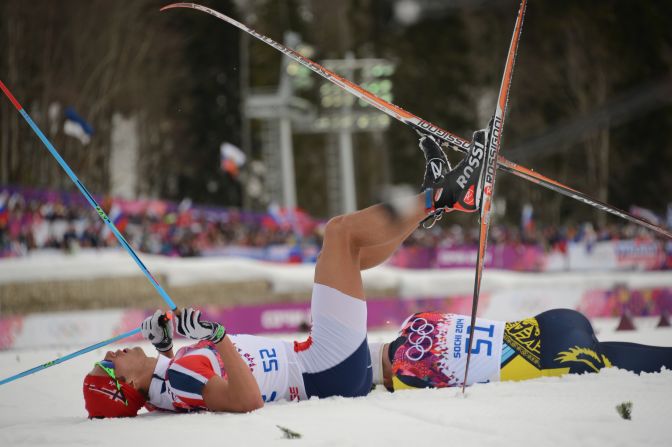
(423, 342)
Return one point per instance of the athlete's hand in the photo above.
(159, 330)
(190, 325)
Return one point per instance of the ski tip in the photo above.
(177, 5)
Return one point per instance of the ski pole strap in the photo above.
(429, 201)
(433, 215)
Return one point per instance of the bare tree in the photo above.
(100, 57)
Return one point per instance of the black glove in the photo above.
(189, 325)
(159, 330)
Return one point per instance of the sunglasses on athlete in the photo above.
(108, 367)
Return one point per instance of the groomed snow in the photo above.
(47, 409)
(284, 278)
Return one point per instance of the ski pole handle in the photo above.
(165, 318)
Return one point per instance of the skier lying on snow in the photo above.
(238, 373)
(430, 351)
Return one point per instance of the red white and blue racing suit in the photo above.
(333, 361)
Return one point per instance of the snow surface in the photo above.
(288, 278)
(47, 409)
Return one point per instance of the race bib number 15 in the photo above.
(483, 337)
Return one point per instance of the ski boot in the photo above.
(437, 167)
(460, 188)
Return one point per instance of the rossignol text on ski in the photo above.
(487, 188)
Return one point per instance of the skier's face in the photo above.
(127, 362)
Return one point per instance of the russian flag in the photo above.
(118, 218)
(279, 216)
(76, 126)
(646, 214)
(231, 158)
(295, 219)
(4, 211)
(527, 218)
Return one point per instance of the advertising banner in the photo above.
(502, 256)
(616, 255)
(84, 328)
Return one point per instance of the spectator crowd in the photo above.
(32, 219)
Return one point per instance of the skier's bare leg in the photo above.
(348, 236)
(375, 255)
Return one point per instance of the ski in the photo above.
(487, 183)
(453, 141)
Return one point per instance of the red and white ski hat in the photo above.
(103, 399)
